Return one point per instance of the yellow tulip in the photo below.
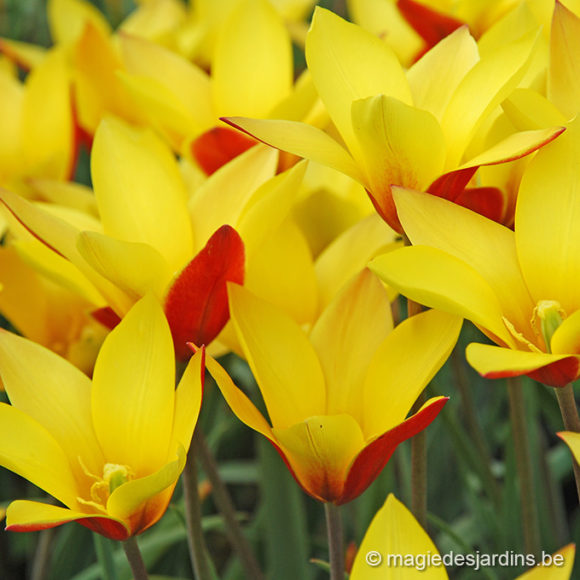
(338, 398)
(519, 288)
(109, 451)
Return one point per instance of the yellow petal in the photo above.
(252, 65)
(528, 110)
(185, 81)
(134, 268)
(401, 145)
(282, 272)
(320, 450)
(238, 402)
(35, 455)
(440, 280)
(223, 196)
(561, 562)
(54, 393)
(133, 389)
(563, 72)
(22, 301)
(573, 442)
(348, 63)
(393, 535)
(437, 74)
(188, 397)
(484, 87)
(547, 235)
(25, 54)
(139, 191)
(300, 139)
(566, 338)
(156, 21)
(68, 18)
(129, 497)
(349, 253)
(280, 356)
(494, 361)
(514, 146)
(482, 244)
(67, 193)
(402, 366)
(32, 515)
(268, 208)
(346, 336)
(47, 119)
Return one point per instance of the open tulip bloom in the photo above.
(109, 451)
(338, 399)
(519, 288)
(409, 129)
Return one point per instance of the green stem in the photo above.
(524, 466)
(135, 559)
(419, 470)
(335, 541)
(195, 539)
(104, 551)
(40, 566)
(569, 411)
(472, 423)
(226, 507)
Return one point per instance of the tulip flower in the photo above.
(396, 547)
(110, 452)
(409, 129)
(518, 288)
(338, 399)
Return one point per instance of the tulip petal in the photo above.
(280, 356)
(528, 110)
(135, 268)
(130, 167)
(252, 64)
(349, 253)
(442, 281)
(484, 87)
(300, 139)
(237, 400)
(563, 72)
(222, 197)
(141, 500)
(435, 77)
(188, 396)
(370, 461)
(133, 389)
(555, 370)
(401, 145)
(35, 455)
(402, 366)
(68, 18)
(547, 235)
(54, 393)
(485, 246)
(573, 441)
(348, 63)
(30, 516)
(319, 451)
(214, 148)
(394, 533)
(282, 273)
(346, 336)
(566, 338)
(196, 304)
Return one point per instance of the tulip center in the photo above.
(114, 475)
(550, 315)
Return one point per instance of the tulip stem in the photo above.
(335, 541)
(135, 559)
(569, 411)
(226, 506)
(195, 539)
(524, 467)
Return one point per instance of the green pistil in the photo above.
(551, 315)
(116, 475)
